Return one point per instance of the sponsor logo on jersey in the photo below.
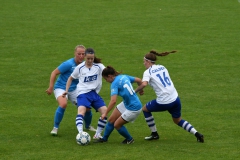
(90, 78)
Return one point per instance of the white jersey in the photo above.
(158, 78)
(89, 78)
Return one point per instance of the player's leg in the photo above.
(101, 123)
(150, 120)
(122, 130)
(59, 113)
(72, 96)
(126, 117)
(176, 116)
(88, 120)
(99, 105)
(110, 125)
(79, 118)
(189, 128)
(83, 103)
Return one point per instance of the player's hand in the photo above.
(49, 91)
(103, 116)
(141, 92)
(64, 94)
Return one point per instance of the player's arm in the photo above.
(139, 82)
(69, 82)
(111, 104)
(53, 76)
(141, 86)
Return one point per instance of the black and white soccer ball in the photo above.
(83, 138)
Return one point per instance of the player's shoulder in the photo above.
(66, 65)
(98, 65)
(126, 76)
(68, 62)
(81, 65)
(154, 68)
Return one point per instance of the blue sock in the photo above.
(124, 132)
(58, 116)
(88, 118)
(108, 130)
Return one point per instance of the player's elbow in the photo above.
(113, 101)
(143, 84)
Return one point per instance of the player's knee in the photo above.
(176, 120)
(63, 105)
(144, 109)
(111, 119)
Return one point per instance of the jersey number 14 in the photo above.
(129, 88)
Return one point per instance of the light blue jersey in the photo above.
(66, 69)
(122, 86)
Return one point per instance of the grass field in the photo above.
(36, 36)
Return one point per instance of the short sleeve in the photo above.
(64, 67)
(146, 76)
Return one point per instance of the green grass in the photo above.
(36, 36)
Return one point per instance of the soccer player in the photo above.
(158, 78)
(126, 111)
(64, 70)
(89, 75)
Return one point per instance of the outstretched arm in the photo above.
(52, 80)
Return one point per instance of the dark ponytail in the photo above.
(109, 70)
(151, 56)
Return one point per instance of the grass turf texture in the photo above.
(36, 36)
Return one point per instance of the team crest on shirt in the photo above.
(90, 78)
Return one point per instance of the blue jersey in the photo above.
(122, 86)
(66, 69)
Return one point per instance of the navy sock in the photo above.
(88, 118)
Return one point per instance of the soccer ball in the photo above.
(83, 138)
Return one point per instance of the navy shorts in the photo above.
(173, 108)
(90, 99)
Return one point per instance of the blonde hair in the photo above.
(80, 46)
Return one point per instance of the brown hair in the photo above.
(109, 70)
(152, 55)
(91, 51)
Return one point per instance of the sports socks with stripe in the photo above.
(187, 126)
(150, 121)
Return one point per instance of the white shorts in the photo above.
(72, 96)
(128, 115)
